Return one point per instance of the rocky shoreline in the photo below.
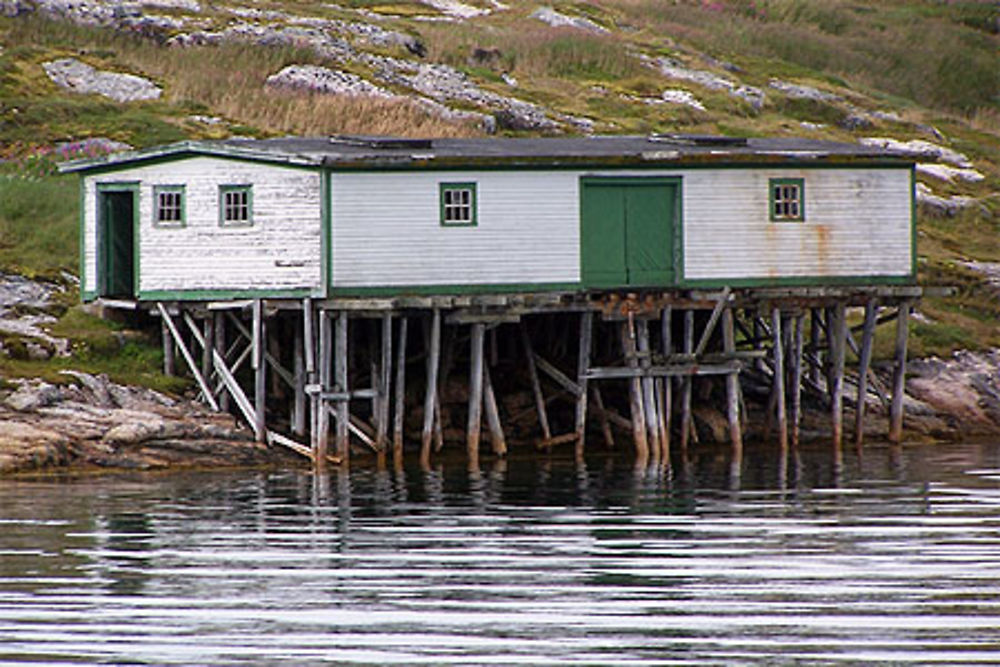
(91, 423)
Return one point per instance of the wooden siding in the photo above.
(387, 229)
(857, 223)
(279, 251)
(387, 232)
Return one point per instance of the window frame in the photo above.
(444, 188)
(772, 200)
(225, 190)
(181, 222)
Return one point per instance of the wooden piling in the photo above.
(582, 368)
(536, 385)
(497, 439)
(259, 365)
(687, 382)
(322, 416)
(629, 349)
(340, 377)
(837, 332)
(798, 340)
(430, 392)
(899, 373)
(666, 384)
(864, 362)
(602, 415)
(779, 378)
(732, 391)
(384, 384)
(815, 346)
(400, 397)
(169, 359)
(299, 377)
(219, 344)
(648, 390)
(474, 424)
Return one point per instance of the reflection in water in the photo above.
(894, 558)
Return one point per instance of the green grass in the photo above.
(39, 224)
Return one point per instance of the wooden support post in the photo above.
(602, 415)
(687, 382)
(864, 362)
(384, 385)
(340, 384)
(779, 378)
(648, 391)
(299, 374)
(732, 392)
(259, 364)
(321, 415)
(208, 337)
(815, 331)
(400, 413)
(796, 409)
(497, 439)
(430, 393)
(474, 425)
(899, 374)
(635, 392)
(219, 343)
(837, 332)
(582, 366)
(188, 359)
(536, 385)
(666, 386)
(169, 360)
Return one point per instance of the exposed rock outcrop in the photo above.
(79, 77)
(964, 390)
(559, 20)
(946, 206)
(103, 424)
(674, 69)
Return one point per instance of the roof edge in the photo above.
(182, 148)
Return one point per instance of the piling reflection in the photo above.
(542, 560)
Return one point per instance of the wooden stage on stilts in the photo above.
(325, 376)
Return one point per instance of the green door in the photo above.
(627, 232)
(117, 255)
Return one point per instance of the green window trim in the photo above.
(458, 204)
(236, 206)
(787, 199)
(169, 206)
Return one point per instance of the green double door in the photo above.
(627, 231)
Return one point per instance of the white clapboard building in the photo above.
(371, 216)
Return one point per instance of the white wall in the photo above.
(857, 223)
(387, 230)
(280, 251)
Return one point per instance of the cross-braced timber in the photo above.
(295, 369)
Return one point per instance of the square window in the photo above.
(787, 199)
(458, 204)
(168, 205)
(235, 205)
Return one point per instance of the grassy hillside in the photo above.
(917, 69)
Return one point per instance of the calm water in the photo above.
(897, 560)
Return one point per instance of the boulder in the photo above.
(79, 77)
(558, 20)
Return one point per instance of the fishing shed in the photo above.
(488, 231)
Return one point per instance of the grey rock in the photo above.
(919, 148)
(801, 92)
(944, 206)
(676, 70)
(32, 395)
(559, 20)
(318, 79)
(79, 77)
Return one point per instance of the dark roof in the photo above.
(592, 150)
